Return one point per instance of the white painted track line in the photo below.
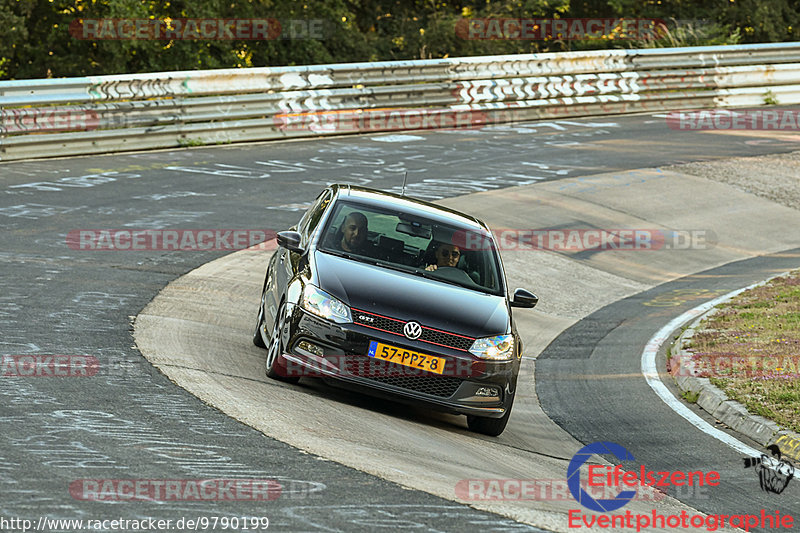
(650, 372)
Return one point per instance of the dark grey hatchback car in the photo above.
(397, 298)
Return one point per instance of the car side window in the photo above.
(301, 225)
(311, 219)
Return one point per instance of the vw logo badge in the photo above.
(412, 330)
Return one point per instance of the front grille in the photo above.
(395, 326)
(436, 336)
(444, 387)
(398, 376)
(379, 322)
(367, 367)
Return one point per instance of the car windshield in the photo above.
(429, 248)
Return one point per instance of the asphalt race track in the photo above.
(351, 463)
(611, 403)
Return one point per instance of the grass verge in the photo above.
(750, 348)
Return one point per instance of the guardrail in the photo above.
(72, 116)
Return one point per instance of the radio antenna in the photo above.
(405, 177)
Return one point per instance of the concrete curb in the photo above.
(711, 399)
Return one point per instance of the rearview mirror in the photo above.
(414, 229)
(523, 298)
(290, 240)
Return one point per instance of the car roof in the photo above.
(406, 204)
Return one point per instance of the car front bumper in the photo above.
(339, 352)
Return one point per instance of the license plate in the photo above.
(408, 358)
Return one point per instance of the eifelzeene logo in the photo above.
(574, 476)
(773, 472)
(615, 476)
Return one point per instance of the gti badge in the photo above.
(365, 318)
(412, 330)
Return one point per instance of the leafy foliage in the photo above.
(37, 41)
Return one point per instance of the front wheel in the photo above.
(489, 426)
(275, 363)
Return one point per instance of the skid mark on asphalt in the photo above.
(678, 297)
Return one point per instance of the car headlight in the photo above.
(324, 305)
(497, 348)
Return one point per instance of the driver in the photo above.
(354, 233)
(447, 255)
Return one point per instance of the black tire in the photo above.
(275, 364)
(489, 426)
(258, 340)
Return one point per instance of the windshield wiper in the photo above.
(429, 275)
(366, 259)
(341, 253)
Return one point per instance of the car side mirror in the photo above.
(290, 240)
(522, 298)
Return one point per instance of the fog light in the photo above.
(307, 348)
(492, 392)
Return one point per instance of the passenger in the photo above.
(354, 233)
(447, 255)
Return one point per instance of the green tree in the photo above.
(38, 43)
(12, 18)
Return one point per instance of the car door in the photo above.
(284, 265)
